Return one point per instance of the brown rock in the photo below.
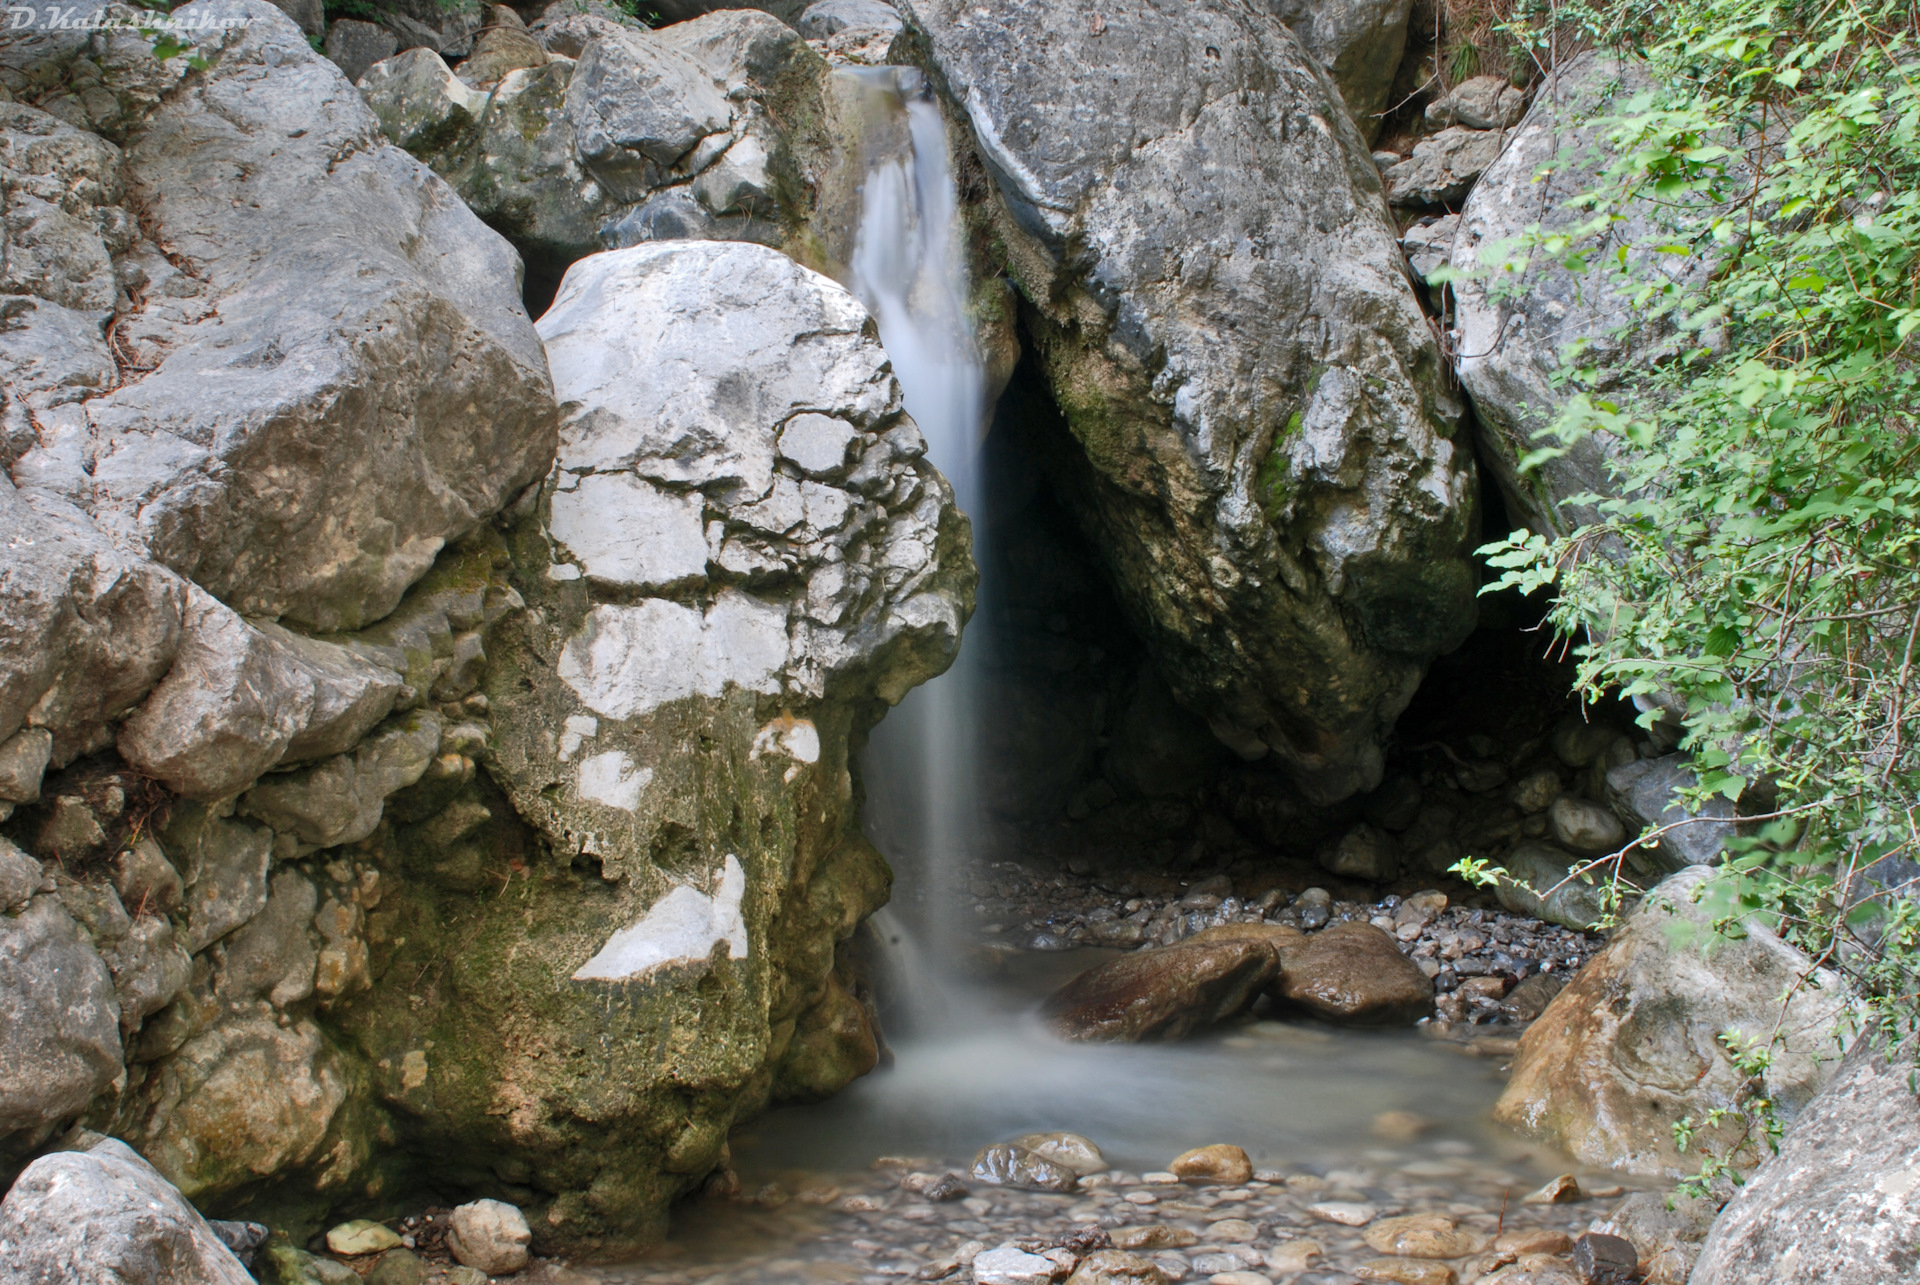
(1221, 1163)
(1153, 1236)
(1422, 1236)
(1293, 1256)
(1530, 998)
(1116, 1267)
(1541, 1240)
(1162, 994)
(1354, 974)
(1407, 1271)
(1536, 1269)
(1563, 1190)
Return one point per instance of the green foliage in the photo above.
(1761, 574)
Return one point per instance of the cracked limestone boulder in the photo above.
(279, 356)
(1258, 436)
(740, 559)
(1634, 1041)
(1513, 343)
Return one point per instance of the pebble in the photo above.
(1293, 1255)
(1544, 1240)
(1010, 1266)
(1422, 1236)
(361, 1236)
(489, 1235)
(1153, 1236)
(1238, 1278)
(399, 1266)
(1563, 1190)
(1233, 1231)
(1348, 1213)
(1222, 1163)
(1406, 1271)
(1400, 1126)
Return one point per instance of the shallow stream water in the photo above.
(1394, 1119)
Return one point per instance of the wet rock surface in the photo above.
(1391, 961)
(1166, 993)
(1354, 973)
(1257, 509)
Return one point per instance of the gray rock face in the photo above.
(1444, 166)
(308, 13)
(20, 876)
(1511, 347)
(1839, 1202)
(774, 471)
(1262, 436)
(59, 1022)
(341, 800)
(239, 700)
(1359, 42)
(709, 129)
(825, 18)
(355, 46)
(1631, 1044)
(1543, 868)
(85, 631)
(1429, 245)
(740, 558)
(107, 1215)
(1646, 793)
(351, 406)
(1484, 102)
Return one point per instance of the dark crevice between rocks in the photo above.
(1096, 780)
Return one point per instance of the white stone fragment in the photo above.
(682, 926)
(576, 729)
(1009, 1265)
(796, 738)
(627, 660)
(630, 533)
(819, 445)
(612, 779)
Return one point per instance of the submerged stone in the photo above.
(1006, 1164)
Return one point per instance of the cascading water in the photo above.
(920, 767)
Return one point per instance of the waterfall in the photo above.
(907, 267)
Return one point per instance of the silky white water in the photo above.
(907, 267)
